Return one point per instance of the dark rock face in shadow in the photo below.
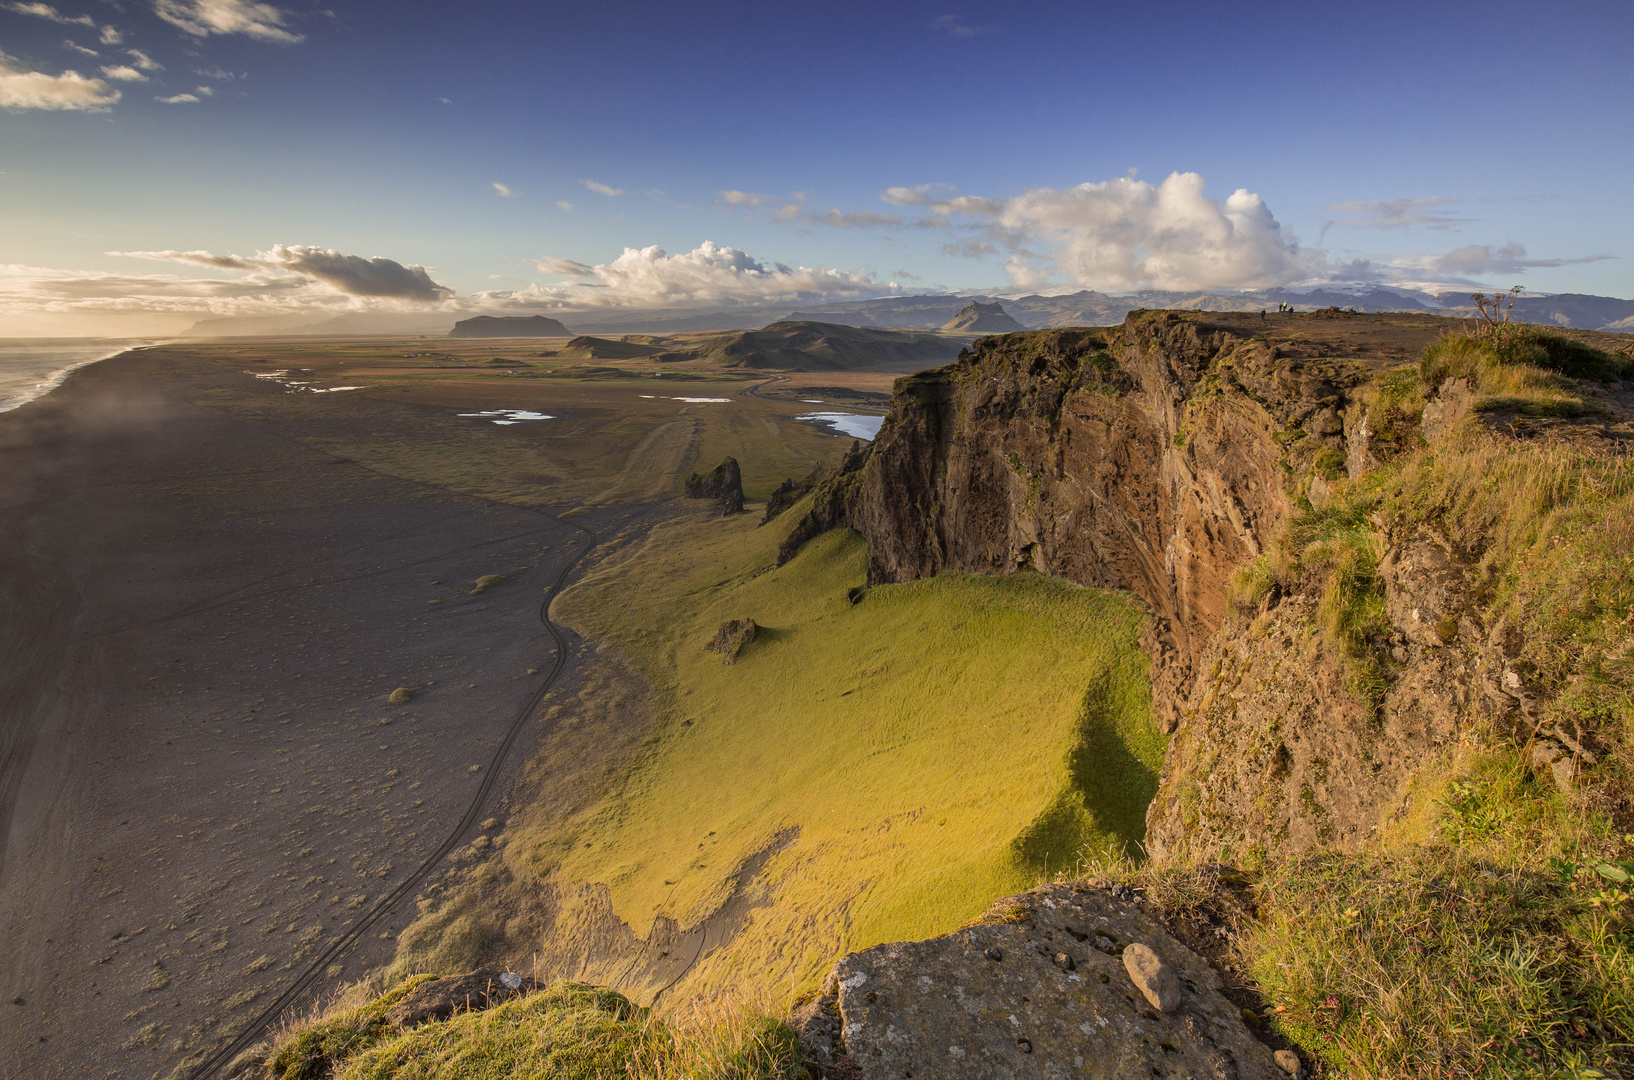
(724, 484)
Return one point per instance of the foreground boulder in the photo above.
(1037, 988)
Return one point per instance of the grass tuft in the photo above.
(1522, 368)
(567, 1031)
(1499, 948)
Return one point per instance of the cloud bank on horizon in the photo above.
(1120, 235)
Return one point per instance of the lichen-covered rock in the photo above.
(1037, 988)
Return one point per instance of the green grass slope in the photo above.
(890, 765)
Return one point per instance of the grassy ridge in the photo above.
(1491, 933)
(897, 762)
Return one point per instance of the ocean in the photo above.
(30, 367)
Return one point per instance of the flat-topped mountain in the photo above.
(979, 318)
(509, 326)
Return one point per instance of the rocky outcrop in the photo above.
(1038, 987)
(733, 637)
(979, 318)
(472, 992)
(832, 503)
(791, 491)
(483, 326)
(723, 484)
(1157, 458)
(1152, 458)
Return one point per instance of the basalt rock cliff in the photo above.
(1156, 458)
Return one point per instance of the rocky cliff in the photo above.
(1152, 458)
(1159, 458)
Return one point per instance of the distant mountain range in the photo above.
(1033, 312)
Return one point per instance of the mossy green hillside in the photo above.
(897, 762)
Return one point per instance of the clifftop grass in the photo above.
(881, 770)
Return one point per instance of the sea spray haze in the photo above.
(30, 367)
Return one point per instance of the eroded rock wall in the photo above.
(1156, 458)
(1145, 458)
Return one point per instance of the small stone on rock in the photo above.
(993, 953)
(1024, 1046)
(1289, 1061)
(1152, 978)
(1064, 962)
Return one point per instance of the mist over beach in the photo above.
(30, 367)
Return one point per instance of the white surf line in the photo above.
(57, 378)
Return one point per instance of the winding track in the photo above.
(212, 1065)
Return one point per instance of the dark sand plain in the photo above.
(210, 584)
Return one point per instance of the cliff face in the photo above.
(1144, 458)
(1157, 458)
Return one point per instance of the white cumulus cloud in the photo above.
(21, 89)
(1127, 234)
(123, 73)
(503, 189)
(112, 36)
(602, 189)
(202, 18)
(177, 99)
(1122, 234)
(709, 276)
(142, 60)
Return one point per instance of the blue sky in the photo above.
(331, 152)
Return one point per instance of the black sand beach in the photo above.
(201, 779)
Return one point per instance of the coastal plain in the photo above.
(215, 573)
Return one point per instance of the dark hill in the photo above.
(820, 346)
(978, 318)
(585, 347)
(509, 326)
